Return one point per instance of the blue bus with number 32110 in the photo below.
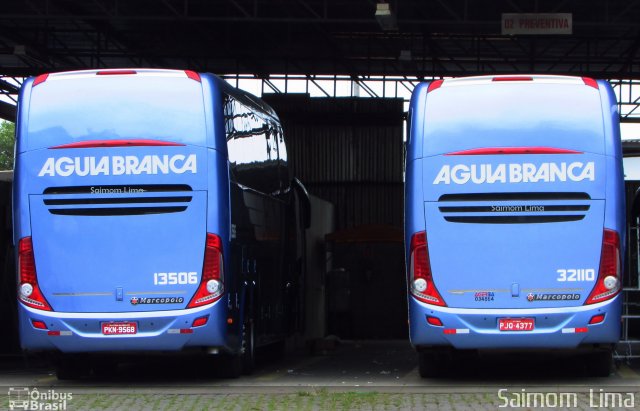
(153, 211)
(514, 217)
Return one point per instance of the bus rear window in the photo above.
(467, 117)
(73, 110)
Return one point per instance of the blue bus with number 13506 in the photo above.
(153, 212)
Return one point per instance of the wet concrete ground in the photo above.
(351, 364)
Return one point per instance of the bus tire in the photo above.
(104, 367)
(599, 363)
(429, 365)
(71, 367)
(231, 365)
(248, 347)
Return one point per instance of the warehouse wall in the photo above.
(349, 151)
(8, 314)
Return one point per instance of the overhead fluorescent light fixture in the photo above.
(386, 18)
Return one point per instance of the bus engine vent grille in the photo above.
(514, 208)
(117, 200)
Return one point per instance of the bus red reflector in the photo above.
(193, 75)
(513, 78)
(590, 82)
(59, 333)
(115, 143)
(512, 150)
(435, 84)
(186, 331)
(40, 325)
(434, 321)
(456, 331)
(40, 79)
(582, 330)
(597, 319)
(199, 322)
(115, 72)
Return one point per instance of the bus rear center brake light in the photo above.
(116, 143)
(115, 72)
(513, 78)
(485, 151)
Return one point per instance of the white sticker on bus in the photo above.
(118, 165)
(515, 173)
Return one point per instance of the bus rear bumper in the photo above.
(155, 331)
(554, 328)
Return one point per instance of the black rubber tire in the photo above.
(249, 348)
(104, 367)
(231, 365)
(430, 365)
(599, 363)
(71, 367)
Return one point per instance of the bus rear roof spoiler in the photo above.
(478, 80)
(116, 72)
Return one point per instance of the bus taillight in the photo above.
(421, 281)
(211, 285)
(608, 282)
(28, 290)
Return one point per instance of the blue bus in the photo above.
(514, 218)
(153, 211)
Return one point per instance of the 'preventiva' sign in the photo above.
(537, 23)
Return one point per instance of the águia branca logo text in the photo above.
(515, 173)
(118, 165)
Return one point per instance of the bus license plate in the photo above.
(119, 328)
(515, 324)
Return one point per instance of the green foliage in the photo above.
(7, 140)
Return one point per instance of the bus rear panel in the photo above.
(514, 214)
(121, 213)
